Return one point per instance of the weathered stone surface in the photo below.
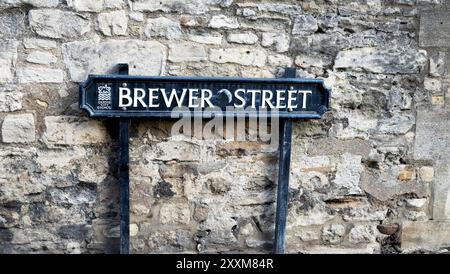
(428, 235)
(426, 174)
(24, 236)
(187, 6)
(398, 124)
(186, 52)
(193, 21)
(40, 75)
(76, 195)
(18, 128)
(86, 5)
(434, 29)
(415, 215)
(253, 72)
(41, 57)
(10, 100)
(34, 3)
(114, 4)
(378, 60)
(223, 22)
(333, 233)
(172, 240)
(201, 212)
(364, 214)
(399, 99)
(315, 216)
(12, 23)
(8, 57)
(79, 232)
(405, 175)
(243, 38)
(136, 16)
(362, 234)
(348, 175)
(113, 23)
(58, 24)
(94, 171)
(70, 130)
(279, 60)
(243, 56)
(144, 57)
(246, 12)
(163, 27)
(383, 184)
(279, 40)
(304, 25)
(322, 249)
(134, 229)
(305, 234)
(432, 131)
(35, 43)
(432, 85)
(15, 162)
(221, 228)
(438, 100)
(207, 39)
(307, 61)
(177, 150)
(316, 163)
(338, 147)
(309, 180)
(416, 203)
(178, 213)
(441, 189)
(246, 230)
(219, 184)
(61, 162)
(279, 8)
(354, 124)
(437, 64)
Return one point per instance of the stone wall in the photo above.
(371, 177)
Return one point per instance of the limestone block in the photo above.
(113, 23)
(425, 235)
(243, 56)
(71, 130)
(8, 57)
(18, 128)
(58, 24)
(89, 57)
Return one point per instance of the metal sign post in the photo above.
(124, 97)
(124, 177)
(284, 164)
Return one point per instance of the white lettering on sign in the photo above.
(173, 94)
(125, 94)
(304, 92)
(240, 98)
(194, 97)
(206, 98)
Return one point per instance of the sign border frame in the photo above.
(83, 104)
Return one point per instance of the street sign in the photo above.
(125, 97)
(140, 96)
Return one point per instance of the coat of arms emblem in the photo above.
(104, 97)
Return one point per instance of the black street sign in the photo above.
(124, 97)
(129, 96)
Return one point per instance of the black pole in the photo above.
(124, 178)
(283, 177)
